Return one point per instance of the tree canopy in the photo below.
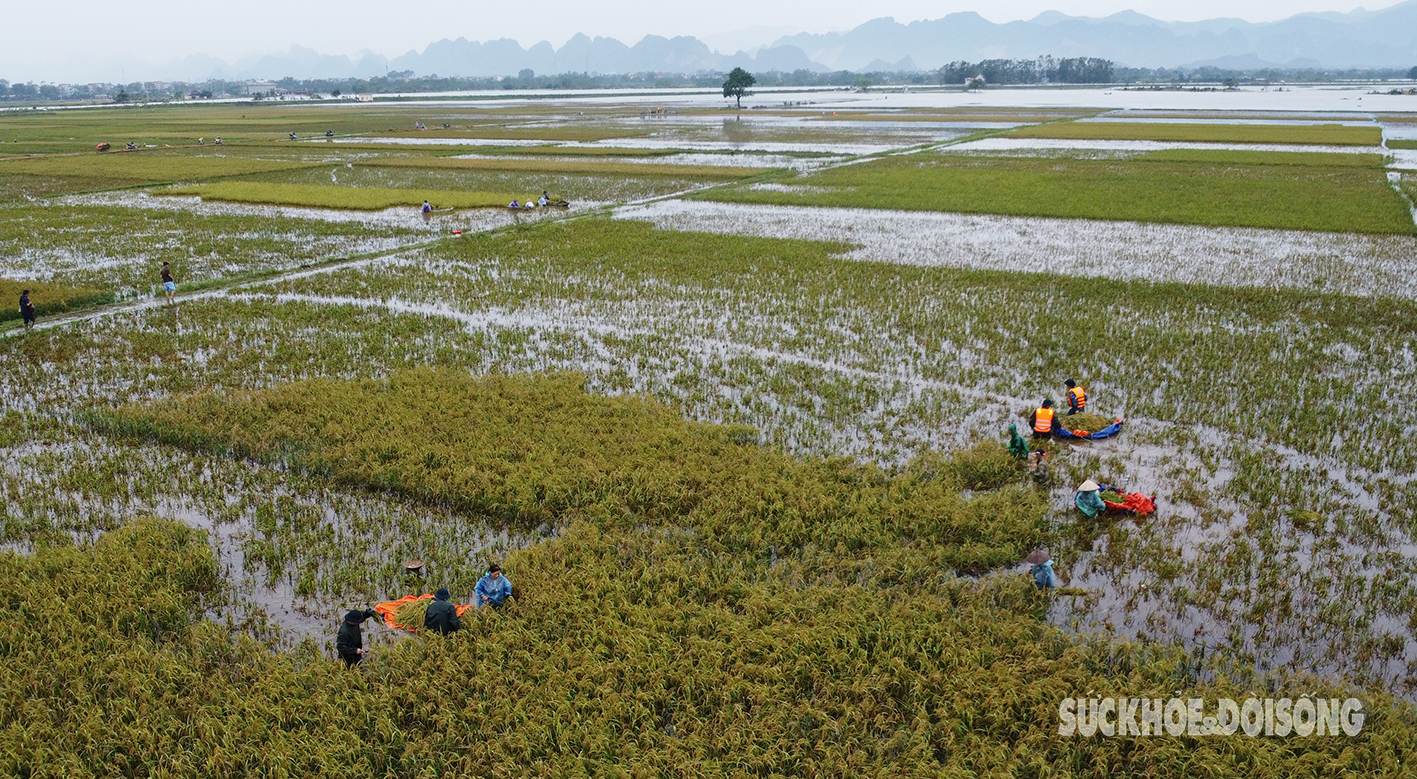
(737, 84)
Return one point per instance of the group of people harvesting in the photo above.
(492, 590)
(1045, 418)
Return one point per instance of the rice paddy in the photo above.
(337, 197)
(739, 444)
(1314, 135)
(1341, 199)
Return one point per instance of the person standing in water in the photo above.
(169, 287)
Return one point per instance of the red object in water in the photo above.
(1134, 503)
(457, 232)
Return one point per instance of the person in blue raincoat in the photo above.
(493, 588)
(1088, 500)
(1044, 578)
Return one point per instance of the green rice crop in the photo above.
(1342, 199)
(1401, 144)
(1232, 157)
(326, 196)
(574, 187)
(1316, 134)
(139, 166)
(516, 165)
(48, 298)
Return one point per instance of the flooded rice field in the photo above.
(1364, 265)
(1259, 372)
(1063, 144)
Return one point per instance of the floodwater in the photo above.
(1067, 144)
(1348, 98)
(1367, 265)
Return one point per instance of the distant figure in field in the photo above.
(1038, 466)
(169, 287)
(27, 309)
(493, 588)
(350, 642)
(1077, 398)
(442, 615)
(1044, 420)
(543, 200)
(427, 211)
(514, 204)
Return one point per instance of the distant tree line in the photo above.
(1069, 70)
(1073, 70)
(1213, 75)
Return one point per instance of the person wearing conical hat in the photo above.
(1087, 499)
(1044, 578)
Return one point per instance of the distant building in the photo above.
(364, 98)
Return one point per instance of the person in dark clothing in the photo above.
(27, 309)
(169, 286)
(442, 615)
(1077, 397)
(350, 642)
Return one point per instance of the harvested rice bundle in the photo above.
(410, 615)
(1083, 422)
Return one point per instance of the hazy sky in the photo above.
(38, 37)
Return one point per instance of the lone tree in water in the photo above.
(737, 84)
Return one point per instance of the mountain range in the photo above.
(1360, 39)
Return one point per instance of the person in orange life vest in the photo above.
(1044, 420)
(1077, 399)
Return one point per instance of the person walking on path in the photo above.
(27, 309)
(169, 287)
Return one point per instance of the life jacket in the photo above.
(1079, 397)
(1043, 420)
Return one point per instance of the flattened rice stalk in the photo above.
(1111, 496)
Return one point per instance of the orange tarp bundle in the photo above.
(1134, 502)
(389, 607)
